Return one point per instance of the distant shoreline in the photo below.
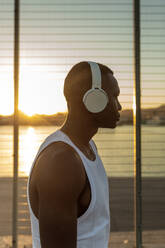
(151, 116)
(54, 124)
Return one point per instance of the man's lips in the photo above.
(118, 118)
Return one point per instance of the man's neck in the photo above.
(79, 131)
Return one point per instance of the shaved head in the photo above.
(79, 80)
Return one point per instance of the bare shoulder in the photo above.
(59, 162)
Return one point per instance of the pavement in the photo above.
(121, 207)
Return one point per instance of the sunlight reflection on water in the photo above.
(28, 143)
(114, 147)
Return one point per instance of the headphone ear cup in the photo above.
(95, 100)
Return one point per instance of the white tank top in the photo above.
(93, 227)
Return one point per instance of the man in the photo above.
(67, 187)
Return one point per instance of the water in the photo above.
(114, 146)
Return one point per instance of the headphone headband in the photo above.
(96, 75)
(95, 99)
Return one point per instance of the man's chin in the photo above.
(109, 125)
(113, 126)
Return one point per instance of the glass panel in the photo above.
(153, 120)
(6, 129)
(55, 35)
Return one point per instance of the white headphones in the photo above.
(95, 99)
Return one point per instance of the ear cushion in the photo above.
(95, 100)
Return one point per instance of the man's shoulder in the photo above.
(59, 157)
(59, 150)
(59, 165)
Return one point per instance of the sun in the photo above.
(28, 112)
(39, 93)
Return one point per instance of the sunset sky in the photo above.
(54, 35)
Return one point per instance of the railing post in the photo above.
(137, 128)
(16, 123)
